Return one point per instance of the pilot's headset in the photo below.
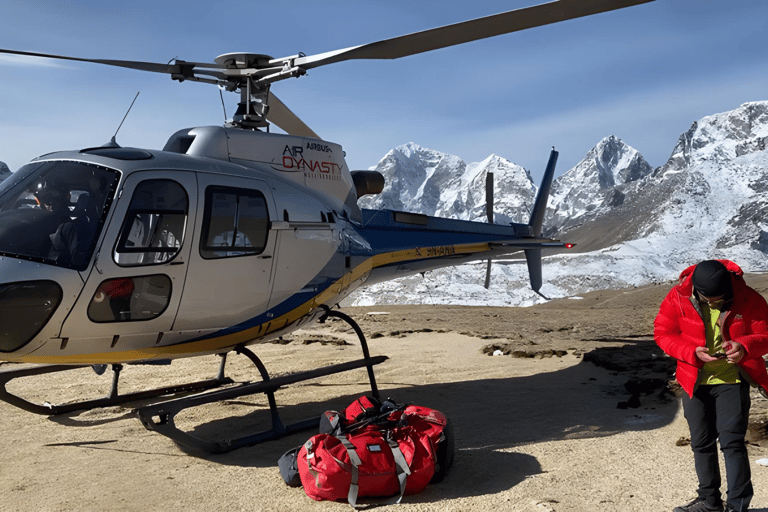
(48, 196)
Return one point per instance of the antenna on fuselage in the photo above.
(113, 141)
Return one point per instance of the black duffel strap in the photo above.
(402, 470)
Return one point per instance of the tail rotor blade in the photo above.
(489, 196)
(489, 213)
(488, 274)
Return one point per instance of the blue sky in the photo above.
(643, 74)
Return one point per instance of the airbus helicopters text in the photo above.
(230, 235)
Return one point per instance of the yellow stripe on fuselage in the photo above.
(230, 341)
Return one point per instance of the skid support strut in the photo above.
(160, 417)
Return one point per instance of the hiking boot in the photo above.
(698, 505)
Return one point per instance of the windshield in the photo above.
(53, 212)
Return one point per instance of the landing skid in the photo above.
(160, 417)
(113, 398)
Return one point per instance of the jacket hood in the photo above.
(685, 285)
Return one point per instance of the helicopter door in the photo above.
(131, 297)
(230, 267)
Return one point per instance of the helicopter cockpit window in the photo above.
(236, 223)
(154, 226)
(53, 212)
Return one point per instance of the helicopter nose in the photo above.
(25, 308)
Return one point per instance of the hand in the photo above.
(734, 351)
(703, 354)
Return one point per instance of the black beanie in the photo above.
(711, 279)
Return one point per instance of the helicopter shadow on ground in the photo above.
(490, 417)
(78, 419)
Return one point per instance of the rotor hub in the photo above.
(243, 60)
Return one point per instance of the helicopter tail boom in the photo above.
(404, 243)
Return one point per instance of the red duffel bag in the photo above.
(437, 427)
(375, 450)
(426, 421)
(368, 462)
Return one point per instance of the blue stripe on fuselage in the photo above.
(381, 233)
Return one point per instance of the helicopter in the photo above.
(227, 237)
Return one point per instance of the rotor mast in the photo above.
(252, 74)
(253, 107)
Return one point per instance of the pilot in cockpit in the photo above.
(52, 199)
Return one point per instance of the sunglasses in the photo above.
(711, 301)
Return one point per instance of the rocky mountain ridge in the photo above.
(634, 224)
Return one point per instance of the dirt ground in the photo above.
(573, 414)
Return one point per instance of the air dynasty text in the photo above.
(293, 159)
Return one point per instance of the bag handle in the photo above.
(402, 469)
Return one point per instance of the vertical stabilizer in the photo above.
(540, 206)
(533, 256)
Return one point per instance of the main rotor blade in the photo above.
(178, 68)
(282, 116)
(465, 32)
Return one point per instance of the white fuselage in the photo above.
(205, 292)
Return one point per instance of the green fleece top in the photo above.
(720, 371)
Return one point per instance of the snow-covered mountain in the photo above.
(634, 224)
(593, 188)
(710, 190)
(424, 181)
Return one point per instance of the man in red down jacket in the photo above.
(717, 328)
